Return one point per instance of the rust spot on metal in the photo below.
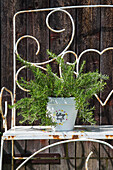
(11, 137)
(75, 137)
(99, 99)
(21, 37)
(56, 137)
(12, 118)
(20, 157)
(109, 136)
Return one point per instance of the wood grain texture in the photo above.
(37, 28)
(8, 8)
(21, 29)
(33, 146)
(106, 67)
(58, 42)
(7, 12)
(88, 36)
(93, 30)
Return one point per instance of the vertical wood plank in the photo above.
(6, 58)
(33, 146)
(58, 41)
(67, 152)
(8, 8)
(21, 29)
(88, 36)
(36, 26)
(6, 44)
(106, 66)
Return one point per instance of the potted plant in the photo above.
(52, 99)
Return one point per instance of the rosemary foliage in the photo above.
(47, 84)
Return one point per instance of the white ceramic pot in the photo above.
(63, 112)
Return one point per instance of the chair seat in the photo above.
(47, 132)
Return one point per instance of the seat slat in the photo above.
(42, 132)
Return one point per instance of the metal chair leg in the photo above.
(1, 154)
(12, 160)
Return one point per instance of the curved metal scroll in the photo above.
(62, 54)
(62, 142)
(27, 36)
(86, 163)
(57, 31)
(4, 115)
(65, 51)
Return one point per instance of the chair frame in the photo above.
(72, 136)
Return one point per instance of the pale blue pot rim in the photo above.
(61, 101)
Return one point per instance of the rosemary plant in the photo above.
(47, 84)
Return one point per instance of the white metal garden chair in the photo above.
(83, 133)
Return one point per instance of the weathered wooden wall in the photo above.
(94, 29)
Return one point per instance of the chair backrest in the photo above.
(65, 51)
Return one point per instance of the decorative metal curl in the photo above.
(16, 79)
(49, 9)
(86, 163)
(100, 53)
(64, 51)
(27, 36)
(57, 31)
(67, 52)
(62, 142)
(47, 23)
(4, 115)
(91, 50)
(21, 68)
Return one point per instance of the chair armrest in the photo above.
(4, 115)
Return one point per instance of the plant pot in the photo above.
(63, 112)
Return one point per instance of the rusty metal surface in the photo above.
(66, 141)
(41, 132)
(80, 133)
(42, 158)
(4, 115)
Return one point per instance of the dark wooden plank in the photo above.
(21, 29)
(88, 36)
(58, 41)
(6, 58)
(7, 150)
(36, 26)
(82, 151)
(106, 68)
(8, 9)
(67, 152)
(33, 146)
(6, 49)
(6, 44)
